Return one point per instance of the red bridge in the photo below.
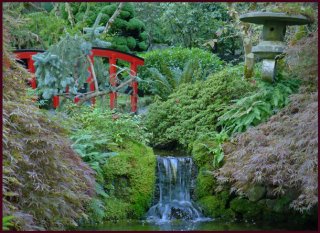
(112, 55)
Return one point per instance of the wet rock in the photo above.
(177, 213)
(256, 193)
(270, 203)
(216, 206)
(246, 209)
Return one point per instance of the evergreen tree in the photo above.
(126, 34)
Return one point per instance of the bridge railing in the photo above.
(112, 55)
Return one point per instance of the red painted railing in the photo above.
(112, 55)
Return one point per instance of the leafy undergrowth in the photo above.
(258, 106)
(114, 145)
(45, 183)
(281, 154)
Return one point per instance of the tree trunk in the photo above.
(113, 17)
(70, 15)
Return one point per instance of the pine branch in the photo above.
(113, 17)
(37, 7)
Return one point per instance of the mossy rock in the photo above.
(278, 211)
(205, 183)
(115, 209)
(282, 205)
(200, 153)
(246, 209)
(132, 175)
(256, 193)
(216, 206)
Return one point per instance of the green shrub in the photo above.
(144, 36)
(109, 10)
(177, 57)
(165, 70)
(135, 25)
(7, 223)
(193, 110)
(120, 24)
(125, 24)
(131, 42)
(142, 46)
(97, 134)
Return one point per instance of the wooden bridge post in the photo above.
(113, 81)
(134, 84)
(91, 81)
(32, 70)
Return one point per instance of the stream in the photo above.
(173, 208)
(213, 225)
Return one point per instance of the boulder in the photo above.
(256, 193)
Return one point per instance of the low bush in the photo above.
(193, 110)
(165, 70)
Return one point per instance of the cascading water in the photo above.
(174, 183)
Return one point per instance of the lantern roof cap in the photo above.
(260, 17)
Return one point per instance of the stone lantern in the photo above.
(272, 41)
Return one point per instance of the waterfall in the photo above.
(174, 183)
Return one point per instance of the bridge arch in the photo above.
(111, 54)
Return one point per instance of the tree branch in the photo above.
(113, 17)
(70, 16)
(85, 16)
(93, 73)
(101, 93)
